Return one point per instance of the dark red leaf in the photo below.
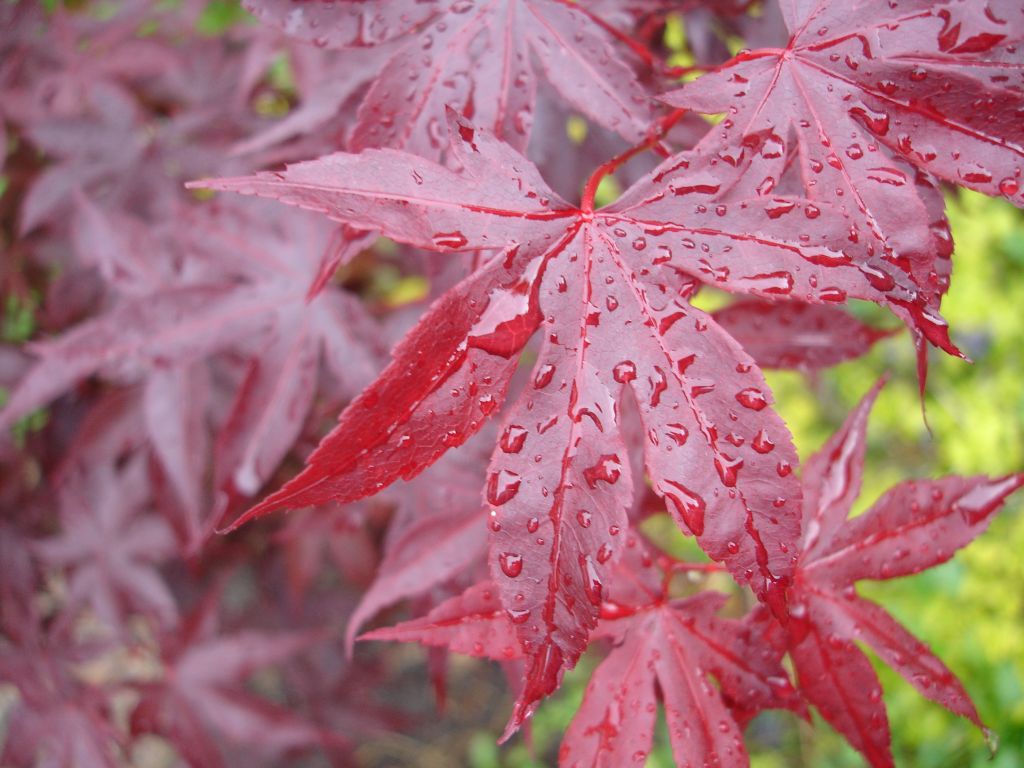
(478, 58)
(790, 334)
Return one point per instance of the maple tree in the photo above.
(497, 472)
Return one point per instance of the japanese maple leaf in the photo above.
(913, 526)
(110, 550)
(609, 288)
(669, 649)
(339, 532)
(137, 260)
(479, 57)
(240, 296)
(58, 720)
(79, 56)
(307, 327)
(104, 141)
(870, 92)
(202, 699)
(437, 533)
(671, 646)
(675, 647)
(473, 623)
(791, 334)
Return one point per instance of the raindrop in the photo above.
(779, 208)
(659, 385)
(762, 443)
(752, 398)
(832, 294)
(876, 122)
(511, 564)
(513, 438)
(544, 375)
(689, 506)
(591, 580)
(502, 486)
(781, 686)
(678, 433)
(662, 254)
(518, 616)
(766, 186)
(624, 372)
(975, 174)
(452, 240)
(728, 469)
(780, 283)
(606, 469)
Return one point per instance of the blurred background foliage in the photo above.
(970, 610)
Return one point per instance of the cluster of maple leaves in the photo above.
(562, 382)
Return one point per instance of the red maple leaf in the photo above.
(669, 648)
(58, 718)
(868, 96)
(808, 337)
(108, 548)
(913, 526)
(715, 450)
(479, 58)
(201, 700)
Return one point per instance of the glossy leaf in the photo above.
(915, 525)
(591, 280)
(869, 93)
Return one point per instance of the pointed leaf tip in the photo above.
(985, 499)
(542, 679)
(991, 741)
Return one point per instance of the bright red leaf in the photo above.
(913, 526)
(670, 649)
(715, 450)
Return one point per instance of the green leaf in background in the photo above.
(219, 15)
